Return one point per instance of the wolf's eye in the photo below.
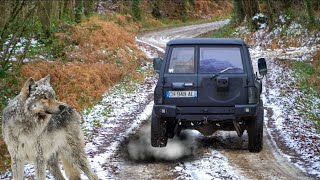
(44, 97)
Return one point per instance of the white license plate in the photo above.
(181, 94)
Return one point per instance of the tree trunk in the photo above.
(88, 7)
(61, 10)
(68, 9)
(78, 10)
(270, 12)
(55, 10)
(238, 11)
(136, 9)
(250, 7)
(3, 8)
(44, 13)
(308, 6)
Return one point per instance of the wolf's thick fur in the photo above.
(39, 129)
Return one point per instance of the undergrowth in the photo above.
(94, 55)
(308, 76)
(99, 55)
(223, 32)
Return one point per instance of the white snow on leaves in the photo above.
(287, 125)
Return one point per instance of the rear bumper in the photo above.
(207, 113)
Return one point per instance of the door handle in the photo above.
(188, 84)
(181, 85)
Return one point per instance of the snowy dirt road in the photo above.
(223, 155)
(117, 134)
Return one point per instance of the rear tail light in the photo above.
(158, 94)
(253, 95)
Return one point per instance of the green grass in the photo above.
(223, 32)
(306, 103)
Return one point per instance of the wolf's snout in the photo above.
(62, 107)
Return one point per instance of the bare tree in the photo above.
(250, 8)
(245, 9)
(44, 12)
(308, 6)
(17, 25)
(238, 11)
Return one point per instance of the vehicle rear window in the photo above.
(182, 60)
(216, 59)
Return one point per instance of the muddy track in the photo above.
(268, 164)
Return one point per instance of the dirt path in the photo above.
(221, 156)
(269, 164)
(159, 38)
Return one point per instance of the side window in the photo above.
(216, 59)
(182, 60)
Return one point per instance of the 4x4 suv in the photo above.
(207, 85)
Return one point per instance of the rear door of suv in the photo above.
(180, 77)
(222, 80)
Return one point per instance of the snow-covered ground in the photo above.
(213, 165)
(291, 130)
(285, 123)
(129, 104)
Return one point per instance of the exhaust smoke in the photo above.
(140, 149)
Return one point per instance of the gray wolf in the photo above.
(39, 129)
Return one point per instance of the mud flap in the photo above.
(159, 135)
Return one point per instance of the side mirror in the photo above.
(157, 62)
(262, 66)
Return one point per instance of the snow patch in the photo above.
(213, 165)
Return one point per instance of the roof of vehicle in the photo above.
(189, 41)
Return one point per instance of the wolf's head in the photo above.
(39, 98)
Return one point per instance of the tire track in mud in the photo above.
(268, 164)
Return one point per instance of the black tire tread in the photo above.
(255, 131)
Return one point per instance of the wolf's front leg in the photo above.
(40, 163)
(17, 166)
(40, 166)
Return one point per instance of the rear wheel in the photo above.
(255, 131)
(159, 135)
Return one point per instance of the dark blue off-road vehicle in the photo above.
(207, 85)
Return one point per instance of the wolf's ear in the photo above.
(25, 91)
(46, 79)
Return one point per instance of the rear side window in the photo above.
(182, 60)
(216, 59)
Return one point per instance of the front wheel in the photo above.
(255, 131)
(159, 135)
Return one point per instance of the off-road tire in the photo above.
(255, 131)
(159, 135)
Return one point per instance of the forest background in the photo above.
(89, 45)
